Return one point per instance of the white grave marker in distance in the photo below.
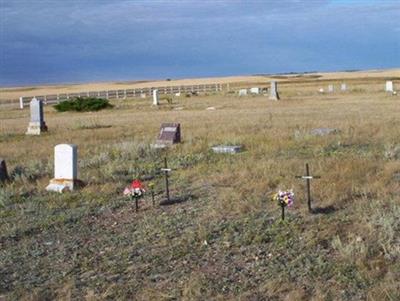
(389, 86)
(242, 92)
(155, 97)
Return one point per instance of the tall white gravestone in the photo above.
(155, 97)
(274, 95)
(343, 87)
(389, 86)
(37, 124)
(65, 168)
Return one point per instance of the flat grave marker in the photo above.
(227, 149)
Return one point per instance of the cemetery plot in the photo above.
(247, 232)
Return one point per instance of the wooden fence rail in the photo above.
(122, 94)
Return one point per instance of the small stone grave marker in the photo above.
(36, 124)
(170, 133)
(255, 90)
(323, 131)
(274, 95)
(65, 168)
(155, 97)
(227, 149)
(242, 92)
(3, 171)
(343, 87)
(389, 86)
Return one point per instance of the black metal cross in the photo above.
(166, 171)
(308, 179)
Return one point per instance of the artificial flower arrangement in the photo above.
(285, 199)
(135, 191)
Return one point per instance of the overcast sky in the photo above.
(78, 41)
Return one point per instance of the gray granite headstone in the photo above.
(3, 171)
(274, 95)
(37, 123)
(227, 149)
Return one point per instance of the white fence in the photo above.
(122, 94)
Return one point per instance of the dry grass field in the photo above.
(226, 240)
(14, 93)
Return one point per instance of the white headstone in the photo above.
(65, 162)
(255, 90)
(65, 168)
(389, 86)
(242, 92)
(330, 88)
(321, 90)
(343, 87)
(155, 97)
(37, 124)
(273, 94)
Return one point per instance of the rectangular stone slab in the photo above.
(65, 162)
(170, 133)
(227, 149)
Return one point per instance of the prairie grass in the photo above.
(226, 241)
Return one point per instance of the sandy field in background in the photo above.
(30, 91)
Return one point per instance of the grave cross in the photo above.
(308, 179)
(166, 171)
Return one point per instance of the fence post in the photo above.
(107, 94)
(87, 94)
(125, 94)
(116, 93)
(21, 102)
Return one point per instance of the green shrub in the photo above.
(83, 104)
